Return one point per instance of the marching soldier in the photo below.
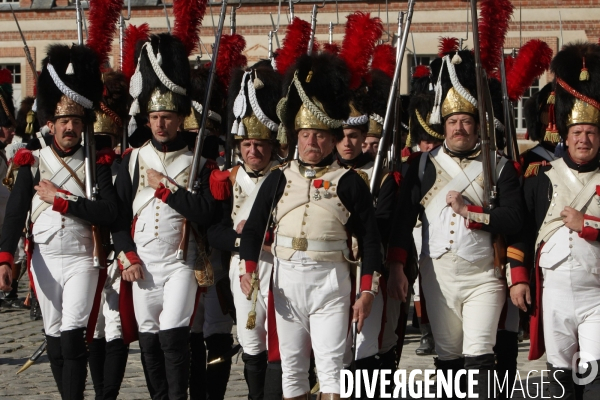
(562, 199)
(465, 294)
(108, 351)
(314, 202)
(154, 206)
(211, 329)
(51, 187)
(254, 131)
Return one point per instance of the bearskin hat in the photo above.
(197, 91)
(498, 110)
(378, 96)
(419, 109)
(576, 71)
(27, 122)
(76, 67)
(172, 63)
(266, 86)
(324, 79)
(7, 109)
(535, 111)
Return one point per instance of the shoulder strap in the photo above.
(66, 166)
(233, 174)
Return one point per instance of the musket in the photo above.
(275, 29)
(91, 188)
(313, 27)
(232, 18)
(389, 112)
(393, 152)
(122, 24)
(512, 146)
(167, 17)
(25, 47)
(489, 187)
(34, 357)
(192, 184)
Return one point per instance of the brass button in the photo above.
(285, 194)
(157, 207)
(156, 234)
(302, 233)
(570, 246)
(157, 213)
(452, 232)
(156, 220)
(439, 180)
(237, 206)
(289, 181)
(306, 215)
(303, 223)
(63, 219)
(236, 196)
(141, 176)
(289, 186)
(452, 241)
(451, 223)
(63, 227)
(185, 181)
(156, 227)
(142, 167)
(571, 239)
(335, 195)
(307, 206)
(435, 188)
(347, 214)
(440, 171)
(454, 214)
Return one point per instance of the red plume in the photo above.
(188, 17)
(421, 71)
(531, 62)
(332, 48)
(384, 59)
(230, 57)
(493, 25)
(447, 45)
(133, 34)
(362, 33)
(103, 17)
(295, 44)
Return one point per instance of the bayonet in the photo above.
(25, 47)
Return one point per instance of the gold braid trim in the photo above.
(113, 115)
(429, 131)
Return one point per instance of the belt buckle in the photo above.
(300, 244)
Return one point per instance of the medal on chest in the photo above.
(318, 184)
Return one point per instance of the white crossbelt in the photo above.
(312, 245)
(152, 160)
(61, 177)
(542, 152)
(243, 179)
(244, 211)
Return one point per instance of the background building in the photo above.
(48, 21)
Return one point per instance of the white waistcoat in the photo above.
(560, 242)
(444, 230)
(299, 215)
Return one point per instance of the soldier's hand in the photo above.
(154, 178)
(456, 201)
(397, 285)
(572, 218)
(240, 227)
(5, 278)
(246, 284)
(46, 190)
(133, 273)
(362, 308)
(520, 294)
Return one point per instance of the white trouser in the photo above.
(367, 341)
(392, 314)
(464, 302)
(571, 307)
(165, 298)
(253, 341)
(209, 318)
(65, 284)
(109, 320)
(312, 305)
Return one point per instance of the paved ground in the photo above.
(20, 337)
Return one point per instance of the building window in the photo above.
(8, 1)
(15, 69)
(520, 123)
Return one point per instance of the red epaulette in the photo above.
(105, 157)
(23, 157)
(397, 177)
(211, 164)
(127, 151)
(219, 184)
(534, 168)
(517, 166)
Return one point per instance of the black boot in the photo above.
(388, 360)
(561, 385)
(273, 384)
(198, 367)
(175, 344)
(153, 361)
(54, 351)
(96, 359)
(74, 351)
(485, 378)
(369, 364)
(507, 351)
(35, 312)
(592, 389)
(255, 369)
(450, 367)
(427, 345)
(218, 374)
(114, 367)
